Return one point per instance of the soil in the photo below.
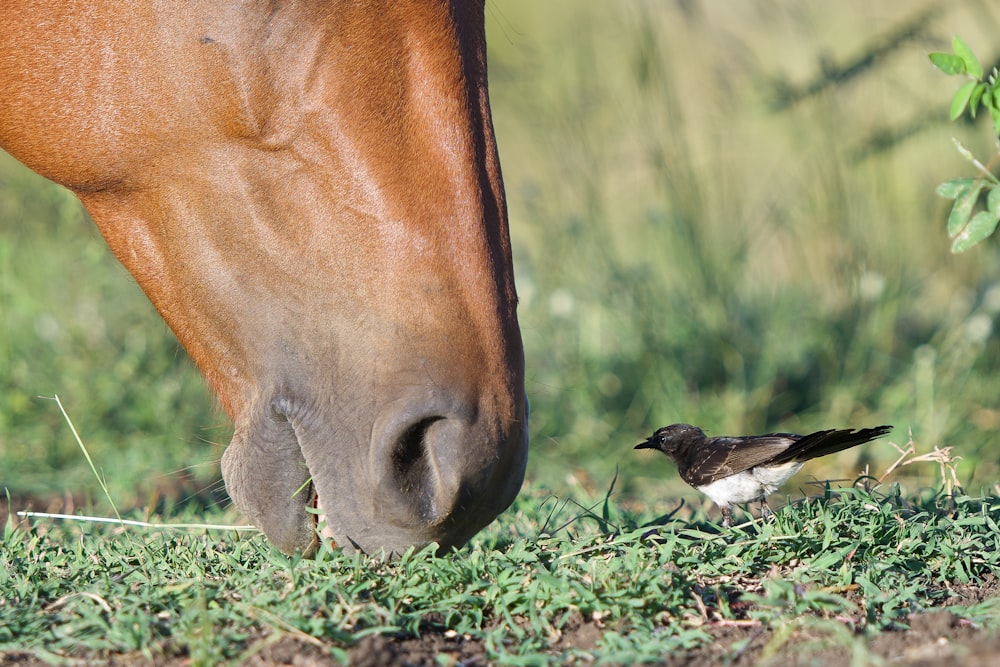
(933, 639)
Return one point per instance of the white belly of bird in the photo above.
(749, 485)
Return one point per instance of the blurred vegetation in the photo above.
(726, 214)
(722, 213)
(74, 323)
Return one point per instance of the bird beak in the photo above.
(646, 444)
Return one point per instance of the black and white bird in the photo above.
(732, 470)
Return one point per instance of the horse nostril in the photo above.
(409, 458)
(440, 472)
(414, 469)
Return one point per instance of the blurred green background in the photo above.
(722, 213)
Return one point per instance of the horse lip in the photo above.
(321, 522)
(267, 478)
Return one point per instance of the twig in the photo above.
(101, 602)
(941, 455)
(903, 453)
(86, 454)
(130, 522)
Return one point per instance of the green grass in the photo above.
(855, 563)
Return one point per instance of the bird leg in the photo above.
(765, 509)
(727, 516)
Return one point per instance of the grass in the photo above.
(855, 562)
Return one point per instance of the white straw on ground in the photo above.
(130, 522)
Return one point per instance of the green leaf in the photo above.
(948, 63)
(993, 200)
(962, 209)
(995, 113)
(962, 50)
(977, 94)
(961, 99)
(954, 188)
(982, 225)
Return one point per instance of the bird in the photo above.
(732, 470)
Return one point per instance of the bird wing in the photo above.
(731, 455)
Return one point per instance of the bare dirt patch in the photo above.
(933, 639)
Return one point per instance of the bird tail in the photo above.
(822, 443)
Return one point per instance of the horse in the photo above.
(309, 193)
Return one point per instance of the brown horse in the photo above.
(309, 193)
